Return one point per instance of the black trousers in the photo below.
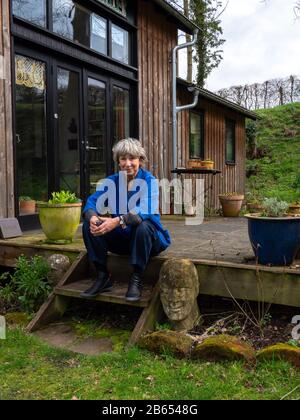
(142, 244)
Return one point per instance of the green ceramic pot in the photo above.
(59, 221)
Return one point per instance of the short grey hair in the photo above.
(131, 147)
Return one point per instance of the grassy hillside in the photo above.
(275, 171)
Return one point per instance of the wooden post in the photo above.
(6, 137)
(150, 315)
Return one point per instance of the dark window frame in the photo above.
(233, 125)
(110, 16)
(201, 115)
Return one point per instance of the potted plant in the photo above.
(294, 208)
(60, 217)
(194, 164)
(207, 164)
(231, 204)
(254, 202)
(274, 235)
(26, 205)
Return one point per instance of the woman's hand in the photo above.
(108, 224)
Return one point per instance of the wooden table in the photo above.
(198, 171)
(194, 171)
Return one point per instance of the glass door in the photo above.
(120, 105)
(96, 131)
(67, 120)
(30, 132)
(68, 129)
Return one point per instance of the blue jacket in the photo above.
(146, 202)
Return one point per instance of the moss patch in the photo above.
(172, 342)
(92, 329)
(20, 319)
(281, 352)
(223, 347)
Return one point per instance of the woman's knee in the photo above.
(86, 228)
(144, 228)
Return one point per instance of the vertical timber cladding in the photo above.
(156, 38)
(232, 177)
(6, 142)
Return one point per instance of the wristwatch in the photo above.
(122, 222)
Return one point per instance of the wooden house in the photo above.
(76, 76)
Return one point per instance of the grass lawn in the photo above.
(29, 369)
(277, 171)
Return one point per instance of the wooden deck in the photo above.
(219, 248)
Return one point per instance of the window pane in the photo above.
(31, 139)
(196, 136)
(120, 50)
(230, 141)
(98, 36)
(78, 24)
(32, 10)
(120, 113)
(96, 131)
(68, 129)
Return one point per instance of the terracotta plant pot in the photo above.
(294, 209)
(59, 221)
(207, 164)
(194, 164)
(231, 205)
(254, 207)
(27, 206)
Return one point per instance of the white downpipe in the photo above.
(175, 108)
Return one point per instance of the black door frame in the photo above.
(32, 221)
(52, 62)
(104, 79)
(58, 63)
(123, 85)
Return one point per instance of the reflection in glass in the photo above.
(98, 35)
(68, 130)
(31, 139)
(196, 136)
(32, 10)
(120, 113)
(78, 24)
(119, 38)
(96, 131)
(230, 141)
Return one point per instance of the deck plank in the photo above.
(117, 295)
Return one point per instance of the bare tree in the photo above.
(297, 9)
(265, 95)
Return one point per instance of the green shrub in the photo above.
(296, 183)
(27, 288)
(25, 198)
(63, 197)
(274, 208)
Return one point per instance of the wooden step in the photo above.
(79, 278)
(117, 295)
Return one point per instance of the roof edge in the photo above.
(222, 101)
(186, 24)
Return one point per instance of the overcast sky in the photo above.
(262, 42)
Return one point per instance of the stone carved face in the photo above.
(179, 288)
(177, 301)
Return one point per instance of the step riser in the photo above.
(120, 268)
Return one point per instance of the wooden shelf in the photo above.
(180, 171)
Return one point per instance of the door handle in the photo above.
(91, 148)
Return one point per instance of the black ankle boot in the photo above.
(134, 288)
(103, 283)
